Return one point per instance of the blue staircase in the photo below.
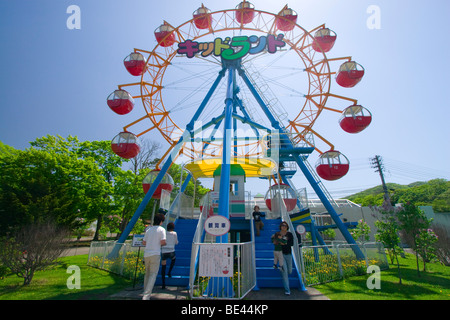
(266, 275)
(185, 229)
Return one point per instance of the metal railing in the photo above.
(296, 254)
(221, 270)
(128, 262)
(328, 263)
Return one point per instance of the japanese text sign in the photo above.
(232, 48)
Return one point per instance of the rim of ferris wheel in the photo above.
(120, 101)
(286, 192)
(202, 17)
(350, 74)
(355, 118)
(165, 35)
(135, 63)
(286, 19)
(332, 165)
(316, 66)
(325, 39)
(165, 184)
(125, 145)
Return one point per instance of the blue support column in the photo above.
(219, 286)
(224, 193)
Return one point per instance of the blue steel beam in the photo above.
(224, 193)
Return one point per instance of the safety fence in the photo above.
(321, 264)
(128, 263)
(220, 270)
(224, 271)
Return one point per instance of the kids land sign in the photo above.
(232, 48)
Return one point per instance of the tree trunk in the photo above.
(398, 270)
(97, 229)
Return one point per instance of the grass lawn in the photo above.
(99, 284)
(52, 284)
(432, 285)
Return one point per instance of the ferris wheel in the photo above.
(286, 64)
(261, 80)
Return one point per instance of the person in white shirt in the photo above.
(154, 238)
(168, 252)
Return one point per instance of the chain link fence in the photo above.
(128, 263)
(319, 264)
(327, 263)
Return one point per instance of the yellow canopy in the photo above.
(253, 167)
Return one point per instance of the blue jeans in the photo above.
(287, 269)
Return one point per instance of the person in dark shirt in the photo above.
(259, 225)
(287, 255)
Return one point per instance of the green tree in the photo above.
(388, 234)
(413, 221)
(361, 232)
(110, 165)
(425, 246)
(50, 181)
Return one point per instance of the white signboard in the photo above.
(216, 260)
(217, 225)
(137, 240)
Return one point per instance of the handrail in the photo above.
(170, 213)
(198, 238)
(252, 235)
(295, 248)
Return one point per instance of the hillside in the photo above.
(435, 193)
(379, 189)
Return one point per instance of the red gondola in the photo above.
(165, 184)
(202, 18)
(350, 73)
(135, 63)
(355, 119)
(125, 145)
(164, 35)
(287, 194)
(332, 165)
(245, 12)
(120, 101)
(286, 19)
(324, 40)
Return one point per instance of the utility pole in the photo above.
(377, 163)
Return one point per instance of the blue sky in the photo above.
(55, 80)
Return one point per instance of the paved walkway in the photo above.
(181, 293)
